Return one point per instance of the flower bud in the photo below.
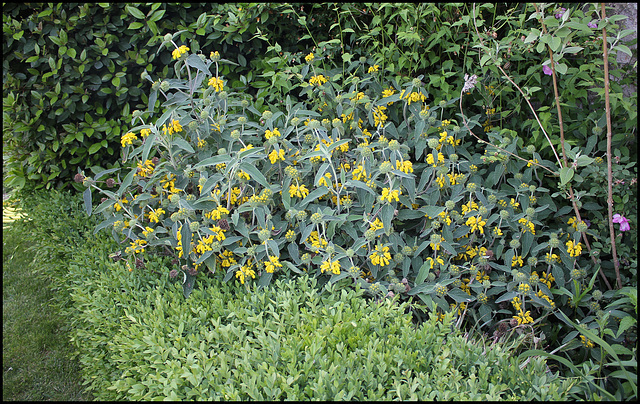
(164, 86)
(266, 115)
(168, 37)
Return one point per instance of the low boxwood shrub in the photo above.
(289, 341)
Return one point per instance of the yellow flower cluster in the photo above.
(586, 342)
(379, 116)
(373, 69)
(469, 207)
(433, 261)
(516, 260)
(179, 51)
(226, 259)
(573, 249)
(146, 169)
(323, 180)
(217, 213)
(316, 241)
(154, 216)
(545, 278)
(174, 127)
(318, 80)
(243, 176)
(377, 224)
(216, 83)
(404, 166)
(431, 161)
(380, 256)
(268, 134)
(359, 173)
(476, 223)
(547, 298)
(245, 271)
(168, 183)
(328, 265)
(527, 226)
(390, 195)
(272, 265)
(274, 156)
(145, 132)
(524, 318)
(413, 97)
(118, 205)
(147, 231)
(137, 246)
(300, 191)
(127, 138)
(309, 58)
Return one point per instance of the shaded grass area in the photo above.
(37, 359)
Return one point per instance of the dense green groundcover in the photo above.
(139, 338)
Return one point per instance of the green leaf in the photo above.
(254, 173)
(566, 173)
(134, 12)
(313, 195)
(196, 62)
(181, 143)
(86, 195)
(460, 296)
(94, 148)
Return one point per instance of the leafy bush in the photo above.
(288, 341)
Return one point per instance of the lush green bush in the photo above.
(288, 341)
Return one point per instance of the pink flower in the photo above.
(624, 223)
(593, 24)
(547, 70)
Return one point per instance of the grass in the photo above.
(36, 352)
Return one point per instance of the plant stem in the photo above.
(616, 264)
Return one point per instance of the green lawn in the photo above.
(36, 352)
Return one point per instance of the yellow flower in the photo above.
(309, 57)
(380, 256)
(179, 52)
(154, 216)
(476, 223)
(516, 259)
(388, 92)
(514, 204)
(216, 83)
(330, 266)
(469, 206)
(377, 224)
(586, 342)
(379, 116)
(127, 138)
(373, 69)
(300, 191)
(245, 271)
(527, 226)
(275, 156)
(118, 205)
(574, 250)
(359, 173)
(272, 265)
(390, 196)
(318, 80)
(497, 231)
(269, 134)
(323, 180)
(432, 162)
(524, 318)
(404, 166)
(145, 132)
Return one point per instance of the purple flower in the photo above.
(547, 70)
(560, 13)
(593, 24)
(624, 223)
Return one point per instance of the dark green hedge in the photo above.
(71, 72)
